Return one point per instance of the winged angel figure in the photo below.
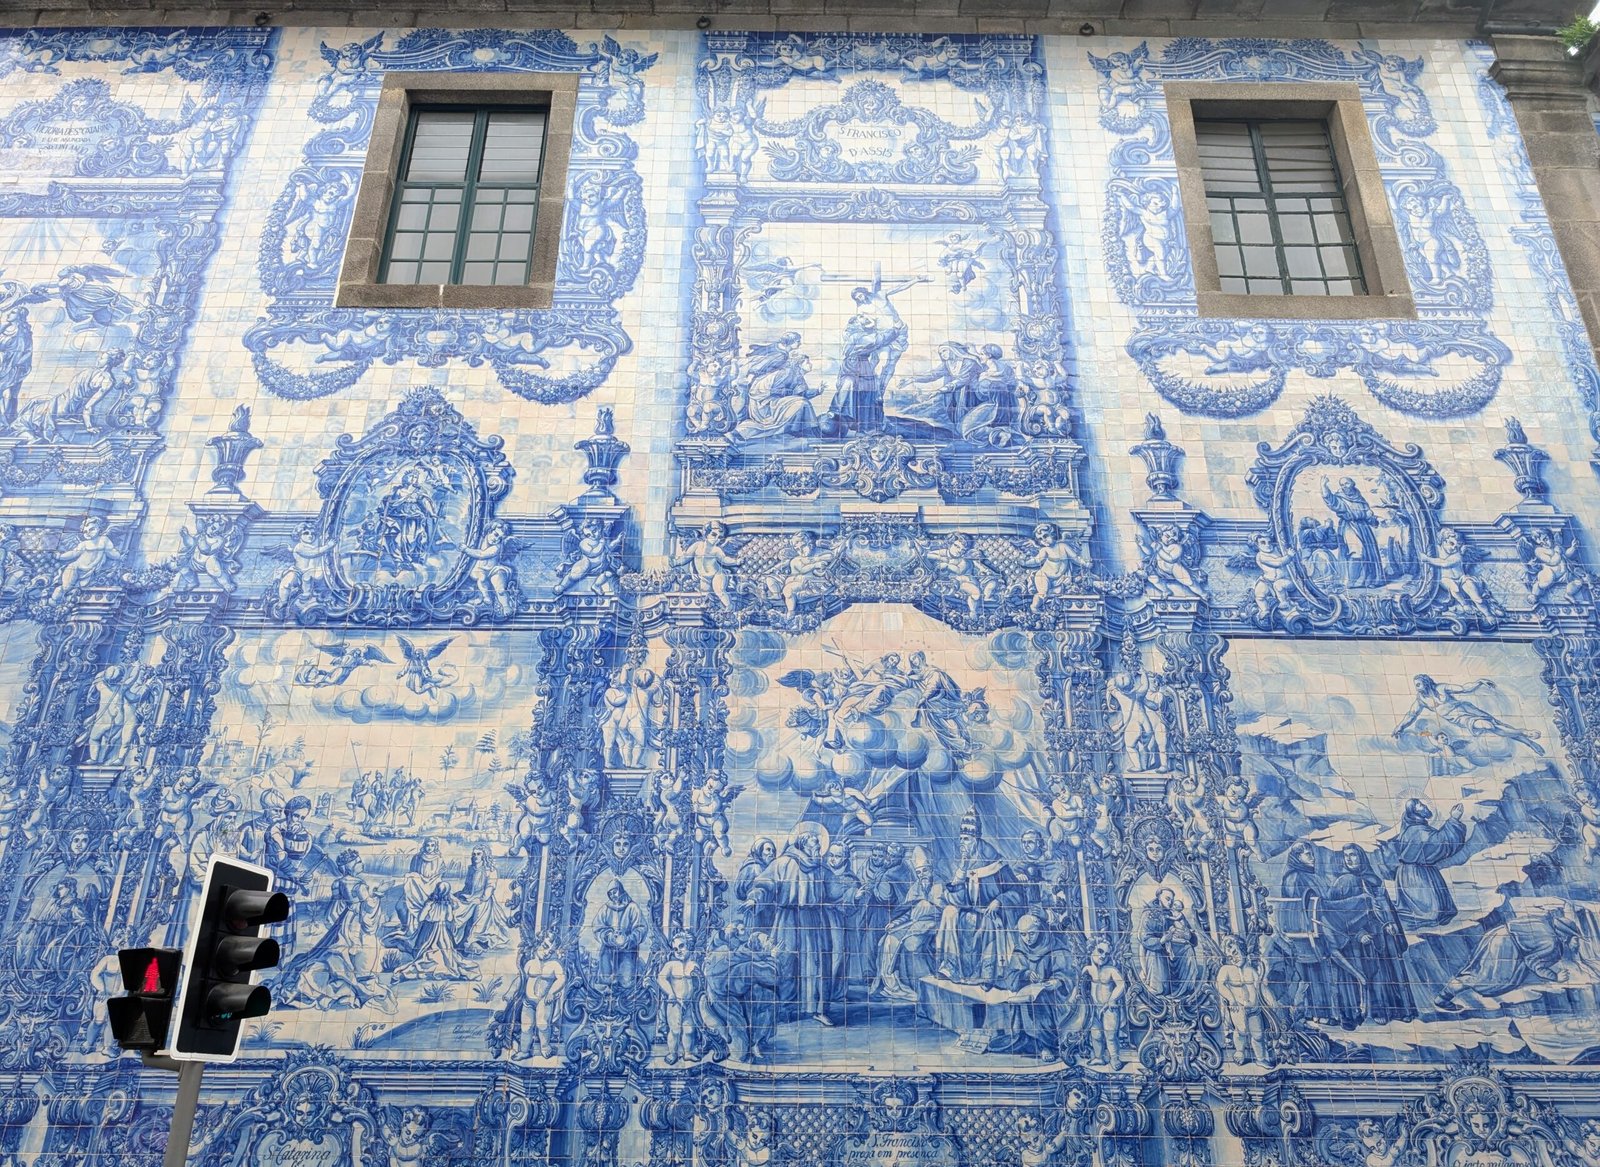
(419, 672)
(343, 660)
(1172, 563)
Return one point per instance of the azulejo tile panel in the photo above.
(868, 677)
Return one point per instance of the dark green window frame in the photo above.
(1321, 219)
(469, 187)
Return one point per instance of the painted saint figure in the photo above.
(1371, 937)
(409, 522)
(341, 970)
(858, 394)
(975, 941)
(777, 394)
(1443, 703)
(427, 923)
(792, 890)
(1168, 963)
(1415, 854)
(619, 928)
(1357, 528)
(1527, 948)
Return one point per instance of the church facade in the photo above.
(791, 597)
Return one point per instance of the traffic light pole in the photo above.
(189, 1075)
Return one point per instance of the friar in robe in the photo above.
(792, 893)
(1415, 855)
(620, 929)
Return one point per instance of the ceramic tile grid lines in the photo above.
(871, 676)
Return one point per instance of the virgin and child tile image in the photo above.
(1430, 865)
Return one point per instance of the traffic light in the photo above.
(139, 1020)
(225, 948)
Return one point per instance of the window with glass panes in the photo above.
(465, 197)
(1278, 213)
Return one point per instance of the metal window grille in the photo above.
(1278, 213)
(466, 197)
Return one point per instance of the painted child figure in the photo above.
(308, 569)
(88, 555)
(1454, 578)
(754, 1147)
(1234, 806)
(709, 563)
(543, 981)
(1067, 809)
(1053, 563)
(538, 815)
(594, 561)
(807, 570)
(1107, 987)
(1243, 994)
(1037, 1148)
(1589, 816)
(833, 794)
(973, 576)
(710, 803)
(1550, 566)
(666, 788)
(491, 578)
(681, 985)
(1168, 574)
(1378, 1147)
(1274, 588)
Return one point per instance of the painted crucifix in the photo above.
(875, 338)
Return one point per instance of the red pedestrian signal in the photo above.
(139, 1021)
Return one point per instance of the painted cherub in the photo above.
(833, 794)
(1053, 563)
(1066, 810)
(208, 559)
(1166, 566)
(411, 1142)
(1186, 798)
(88, 555)
(666, 788)
(1551, 565)
(710, 803)
(1378, 1147)
(308, 567)
(538, 815)
(710, 563)
(1454, 566)
(583, 791)
(1275, 588)
(1103, 828)
(1036, 1147)
(492, 578)
(968, 570)
(1589, 816)
(1234, 805)
(594, 562)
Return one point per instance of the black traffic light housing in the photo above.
(225, 948)
(139, 1020)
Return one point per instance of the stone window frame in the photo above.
(1339, 105)
(369, 226)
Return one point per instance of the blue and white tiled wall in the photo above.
(870, 677)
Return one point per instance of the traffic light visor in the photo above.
(246, 910)
(230, 1003)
